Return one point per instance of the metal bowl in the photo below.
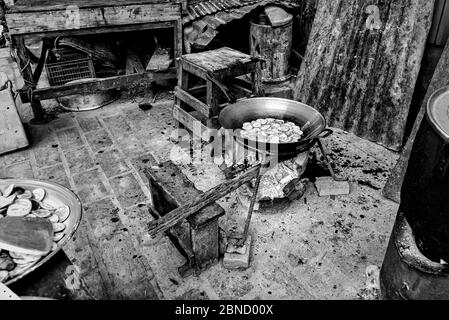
(310, 120)
(56, 196)
(88, 101)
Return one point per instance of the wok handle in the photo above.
(325, 133)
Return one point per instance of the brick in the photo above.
(131, 145)
(118, 126)
(140, 119)
(327, 186)
(127, 190)
(142, 162)
(47, 155)
(79, 160)
(63, 123)
(70, 139)
(42, 136)
(56, 174)
(14, 157)
(98, 140)
(129, 274)
(136, 219)
(112, 162)
(238, 259)
(90, 186)
(193, 294)
(18, 170)
(80, 253)
(78, 249)
(88, 124)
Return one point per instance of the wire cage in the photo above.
(65, 65)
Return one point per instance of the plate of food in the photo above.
(36, 199)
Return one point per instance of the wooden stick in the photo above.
(250, 211)
(174, 217)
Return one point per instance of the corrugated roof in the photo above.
(204, 17)
(198, 9)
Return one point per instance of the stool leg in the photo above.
(183, 81)
(212, 100)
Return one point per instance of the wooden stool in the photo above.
(208, 81)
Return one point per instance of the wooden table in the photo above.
(54, 18)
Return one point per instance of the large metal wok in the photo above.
(307, 118)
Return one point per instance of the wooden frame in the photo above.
(121, 16)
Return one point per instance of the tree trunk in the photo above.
(362, 62)
(440, 79)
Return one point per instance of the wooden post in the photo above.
(273, 44)
(212, 100)
(177, 52)
(27, 74)
(256, 80)
(362, 62)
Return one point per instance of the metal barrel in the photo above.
(425, 190)
(406, 274)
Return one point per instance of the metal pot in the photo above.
(90, 101)
(424, 194)
(310, 120)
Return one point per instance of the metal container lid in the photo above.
(438, 112)
(277, 16)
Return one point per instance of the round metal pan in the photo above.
(56, 196)
(307, 118)
(89, 101)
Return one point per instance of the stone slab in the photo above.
(327, 186)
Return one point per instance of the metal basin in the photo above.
(310, 120)
(88, 101)
(56, 196)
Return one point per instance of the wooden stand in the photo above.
(197, 237)
(198, 105)
(188, 216)
(51, 19)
